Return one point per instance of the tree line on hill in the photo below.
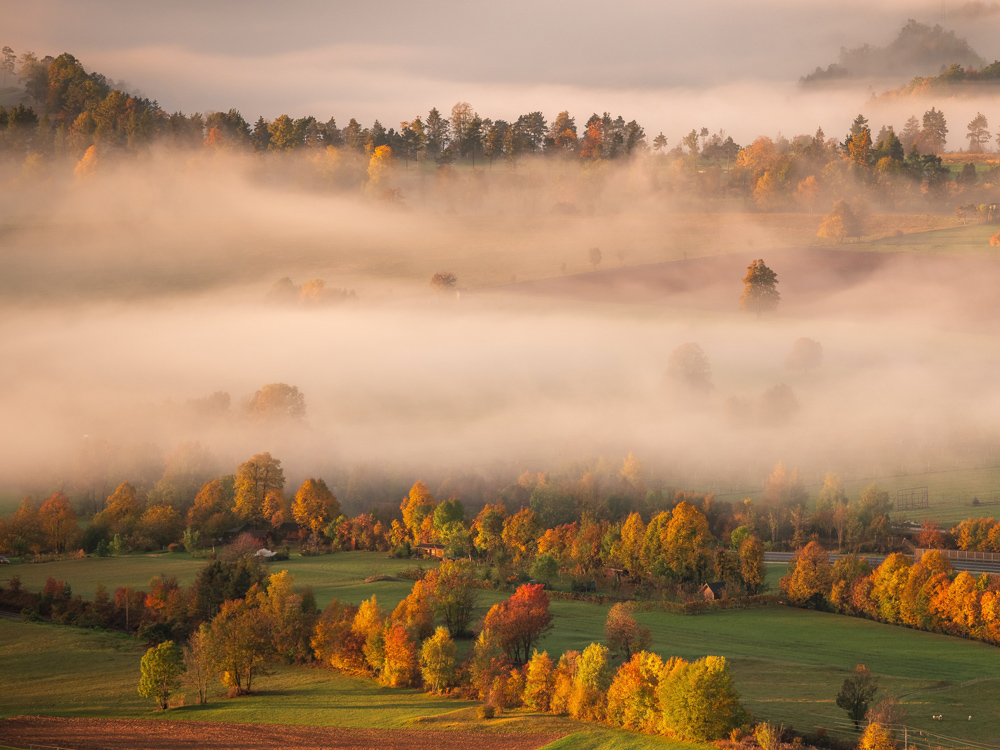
(85, 118)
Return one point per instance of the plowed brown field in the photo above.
(130, 734)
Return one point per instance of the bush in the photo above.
(174, 548)
(486, 711)
(995, 240)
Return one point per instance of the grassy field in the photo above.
(61, 671)
(788, 663)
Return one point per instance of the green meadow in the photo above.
(788, 663)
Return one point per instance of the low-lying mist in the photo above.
(131, 296)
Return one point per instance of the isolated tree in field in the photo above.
(437, 660)
(688, 370)
(856, 694)
(805, 355)
(315, 506)
(625, 636)
(594, 257)
(521, 621)
(444, 280)
(276, 402)
(255, 479)
(241, 645)
(760, 289)
(699, 699)
(162, 667)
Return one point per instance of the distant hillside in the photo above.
(918, 50)
(956, 80)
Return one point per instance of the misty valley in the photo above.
(517, 426)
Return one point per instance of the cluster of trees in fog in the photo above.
(917, 49)
(81, 116)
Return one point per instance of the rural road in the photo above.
(972, 566)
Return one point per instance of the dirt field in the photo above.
(124, 734)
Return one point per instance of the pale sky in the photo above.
(672, 65)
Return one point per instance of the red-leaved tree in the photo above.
(521, 621)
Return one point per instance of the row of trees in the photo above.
(926, 594)
(81, 110)
(641, 538)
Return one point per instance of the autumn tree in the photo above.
(539, 681)
(521, 621)
(161, 667)
(417, 507)
(633, 698)
(380, 166)
(876, 737)
(212, 512)
(687, 543)
(437, 660)
(842, 221)
(752, 567)
(160, 524)
(122, 512)
(58, 521)
(276, 402)
(198, 662)
(401, 665)
(760, 292)
(255, 479)
(699, 699)
(315, 506)
(456, 595)
(520, 534)
(809, 578)
(416, 611)
(241, 644)
(589, 699)
(856, 694)
(625, 636)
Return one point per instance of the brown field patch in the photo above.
(138, 734)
